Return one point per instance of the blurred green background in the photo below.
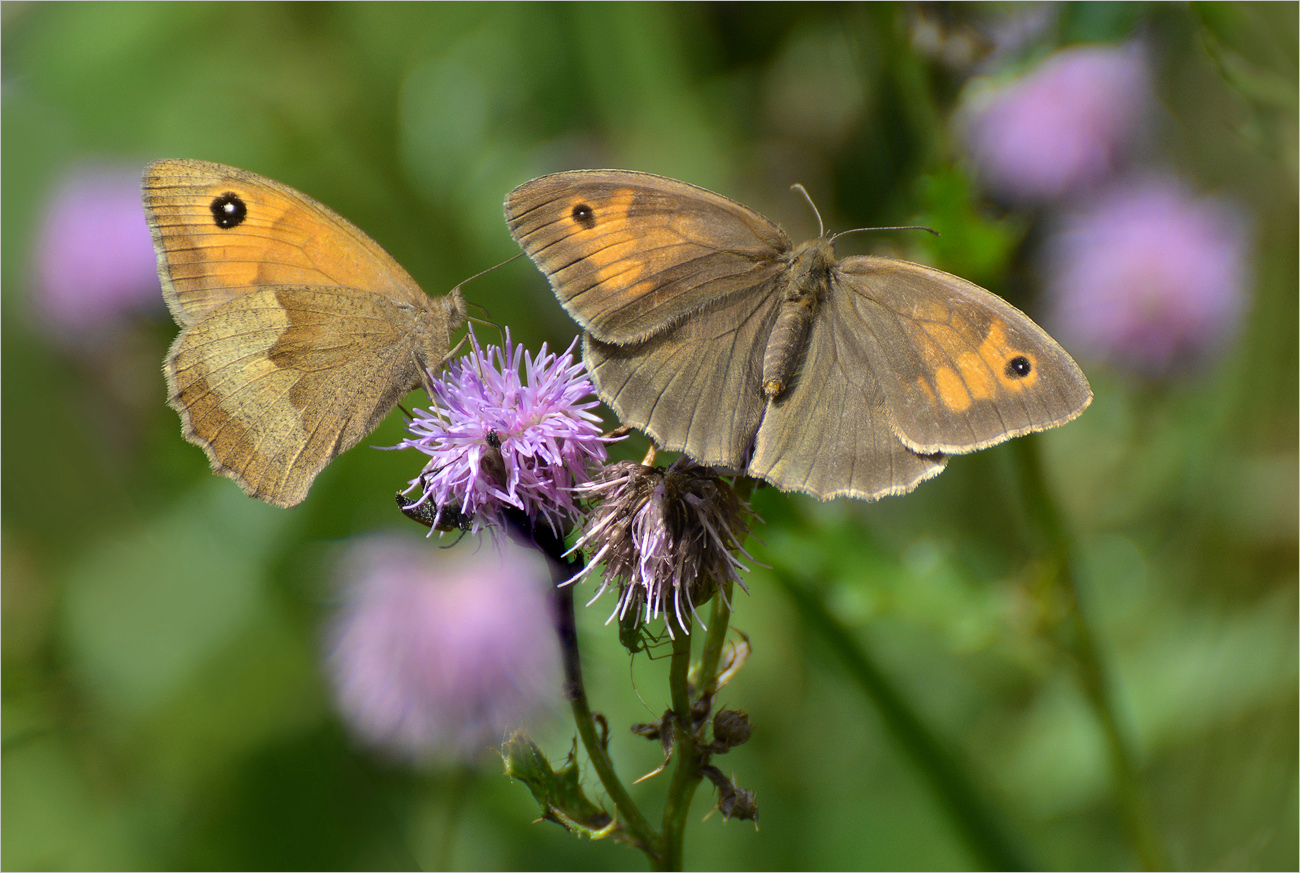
(163, 704)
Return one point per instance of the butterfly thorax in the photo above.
(456, 308)
(803, 285)
(433, 320)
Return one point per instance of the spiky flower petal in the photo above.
(500, 439)
(667, 538)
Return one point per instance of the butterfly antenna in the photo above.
(899, 227)
(465, 282)
(821, 228)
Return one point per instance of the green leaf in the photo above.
(558, 792)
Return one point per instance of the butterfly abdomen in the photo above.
(804, 286)
(785, 345)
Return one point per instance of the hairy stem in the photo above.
(686, 774)
(633, 822)
(715, 640)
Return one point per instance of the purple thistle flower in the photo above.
(497, 441)
(436, 656)
(667, 538)
(1065, 125)
(95, 261)
(1148, 276)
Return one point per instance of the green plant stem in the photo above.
(686, 764)
(633, 821)
(566, 625)
(972, 814)
(715, 639)
(456, 799)
(686, 772)
(1093, 674)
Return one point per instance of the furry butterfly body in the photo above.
(710, 331)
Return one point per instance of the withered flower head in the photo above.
(667, 538)
(733, 801)
(731, 728)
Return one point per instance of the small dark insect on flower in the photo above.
(445, 518)
(505, 430)
(667, 538)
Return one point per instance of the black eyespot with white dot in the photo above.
(584, 215)
(1019, 367)
(228, 210)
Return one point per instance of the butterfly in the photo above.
(299, 334)
(706, 328)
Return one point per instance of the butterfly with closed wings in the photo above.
(299, 334)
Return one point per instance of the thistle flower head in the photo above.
(437, 657)
(95, 264)
(1149, 276)
(499, 439)
(667, 538)
(1062, 127)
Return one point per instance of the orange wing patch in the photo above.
(952, 390)
(976, 376)
(269, 250)
(1015, 370)
(960, 376)
(930, 310)
(602, 232)
(923, 384)
(965, 373)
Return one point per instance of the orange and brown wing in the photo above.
(630, 255)
(276, 383)
(959, 368)
(220, 232)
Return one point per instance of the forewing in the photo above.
(631, 255)
(959, 368)
(279, 236)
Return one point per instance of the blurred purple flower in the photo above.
(496, 441)
(438, 657)
(1148, 276)
(95, 262)
(1061, 127)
